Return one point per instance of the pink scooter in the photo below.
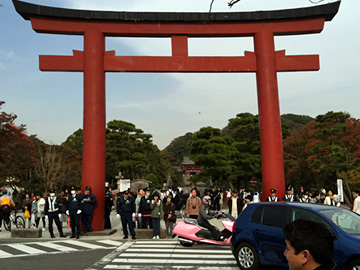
(189, 232)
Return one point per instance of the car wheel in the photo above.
(247, 257)
(354, 265)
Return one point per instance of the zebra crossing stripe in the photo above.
(27, 249)
(177, 256)
(159, 242)
(141, 267)
(4, 254)
(85, 244)
(110, 242)
(155, 246)
(180, 250)
(56, 246)
(174, 261)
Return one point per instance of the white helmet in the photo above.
(206, 199)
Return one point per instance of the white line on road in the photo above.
(84, 244)
(26, 249)
(108, 258)
(127, 267)
(158, 250)
(178, 256)
(168, 260)
(110, 242)
(4, 254)
(56, 246)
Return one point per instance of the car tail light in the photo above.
(234, 227)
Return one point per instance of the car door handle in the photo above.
(256, 231)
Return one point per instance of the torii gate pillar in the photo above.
(269, 112)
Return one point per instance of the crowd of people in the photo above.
(66, 208)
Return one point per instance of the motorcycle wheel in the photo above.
(19, 222)
(186, 244)
(247, 257)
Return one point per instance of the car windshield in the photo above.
(346, 220)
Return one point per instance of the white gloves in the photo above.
(78, 212)
(117, 215)
(67, 212)
(59, 216)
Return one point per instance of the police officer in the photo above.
(145, 210)
(126, 209)
(73, 209)
(108, 204)
(88, 200)
(272, 197)
(52, 211)
(289, 196)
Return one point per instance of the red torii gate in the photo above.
(94, 61)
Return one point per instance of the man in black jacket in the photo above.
(52, 210)
(236, 204)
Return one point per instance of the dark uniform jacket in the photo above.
(52, 205)
(87, 203)
(144, 206)
(108, 200)
(125, 205)
(73, 202)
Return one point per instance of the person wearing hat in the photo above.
(236, 204)
(73, 209)
(145, 210)
(88, 200)
(272, 197)
(126, 208)
(289, 196)
(52, 210)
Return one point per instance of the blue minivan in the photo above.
(258, 237)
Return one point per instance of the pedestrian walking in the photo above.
(52, 210)
(88, 201)
(140, 194)
(126, 208)
(157, 213)
(169, 216)
(73, 210)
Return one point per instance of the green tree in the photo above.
(75, 141)
(214, 152)
(131, 151)
(244, 129)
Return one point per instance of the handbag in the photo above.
(27, 214)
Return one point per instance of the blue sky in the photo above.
(50, 104)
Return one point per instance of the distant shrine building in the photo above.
(94, 61)
(189, 169)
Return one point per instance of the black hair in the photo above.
(312, 236)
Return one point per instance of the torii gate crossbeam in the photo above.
(94, 61)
